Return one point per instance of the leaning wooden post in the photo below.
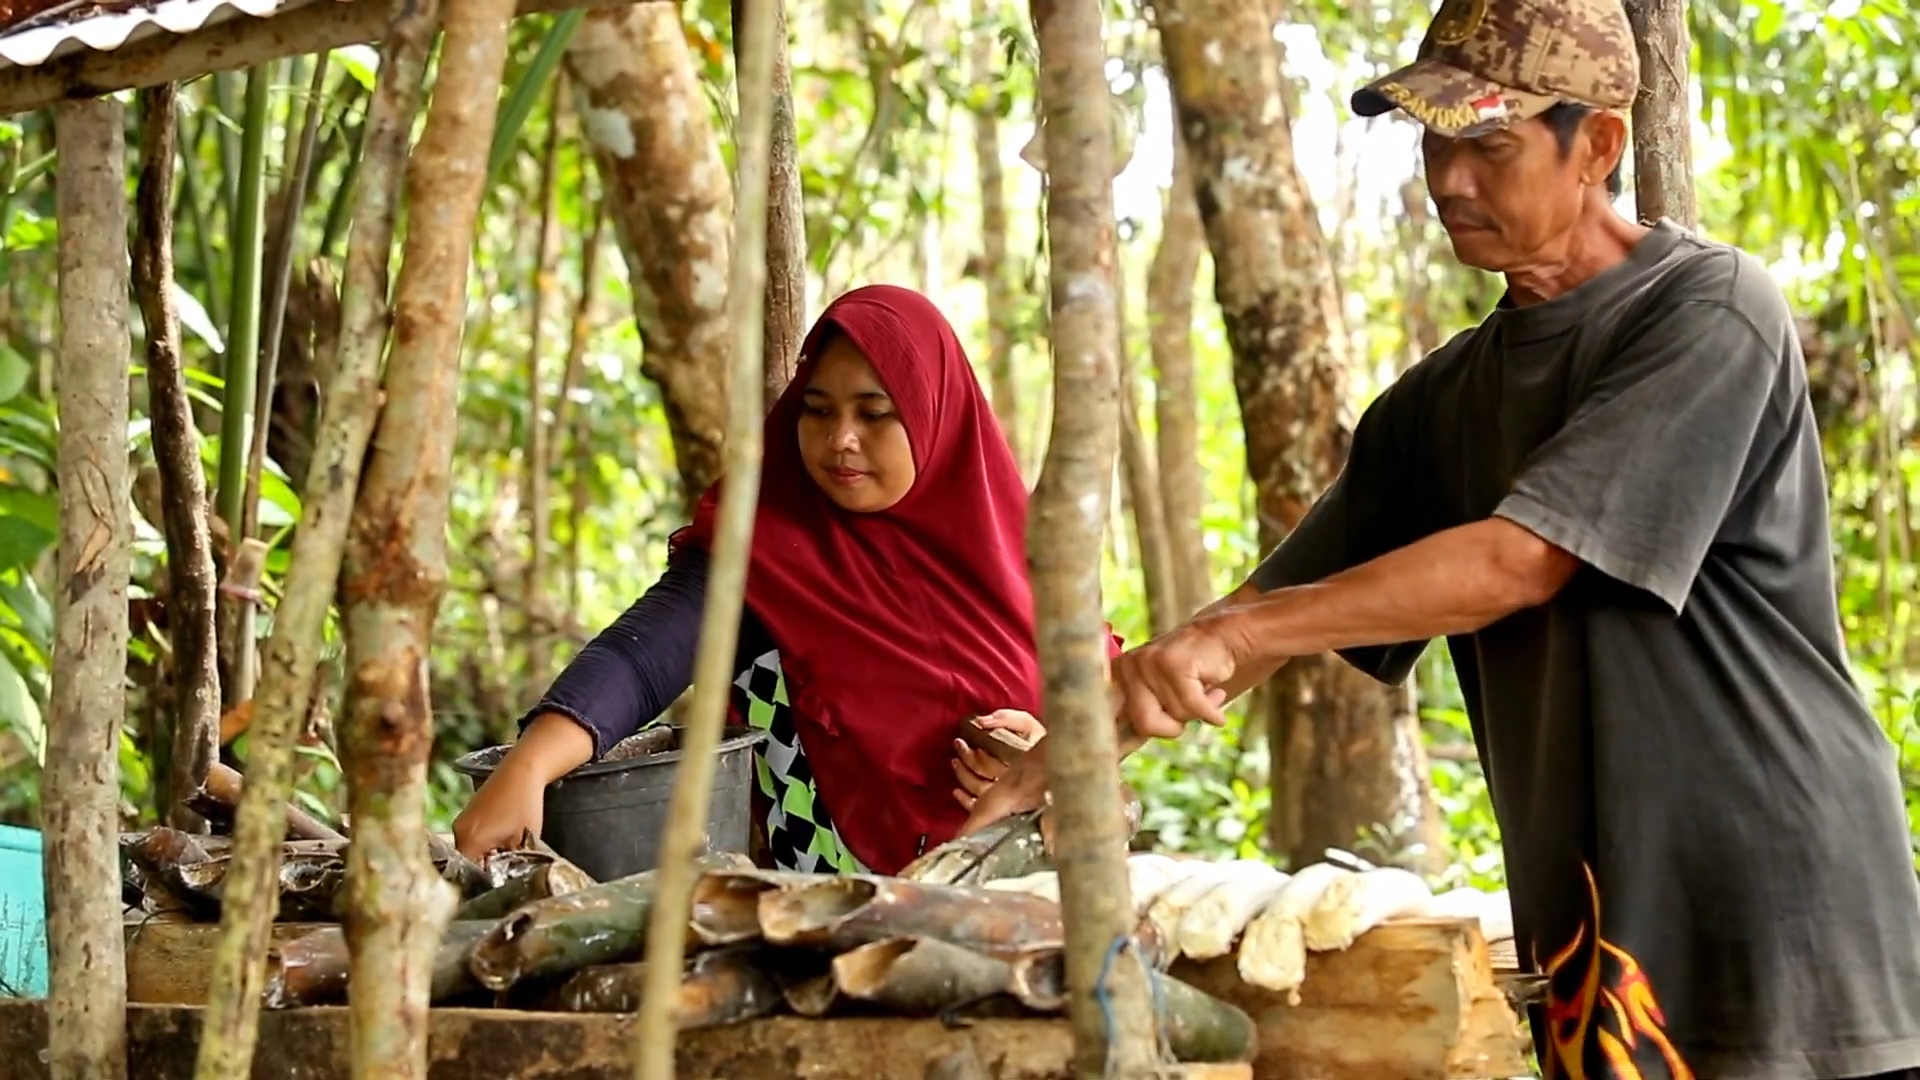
(396, 567)
(1069, 515)
(1662, 118)
(80, 787)
(232, 1021)
(727, 573)
(183, 486)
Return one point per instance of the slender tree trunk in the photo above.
(786, 221)
(667, 188)
(654, 1030)
(292, 656)
(1422, 330)
(571, 426)
(1140, 479)
(1662, 120)
(1348, 761)
(1176, 263)
(539, 507)
(397, 562)
(1063, 543)
(80, 805)
(195, 720)
(995, 269)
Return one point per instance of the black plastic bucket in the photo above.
(607, 817)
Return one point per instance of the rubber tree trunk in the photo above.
(1347, 758)
(786, 311)
(1662, 122)
(995, 268)
(666, 187)
(80, 786)
(655, 1030)
(352, 392)
(1170, 286)
(195, 719)
(1068, 518)
(397, 561)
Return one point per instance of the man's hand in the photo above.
(1180, 676)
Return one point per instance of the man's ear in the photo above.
(1604, 137)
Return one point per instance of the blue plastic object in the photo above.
(23, 915)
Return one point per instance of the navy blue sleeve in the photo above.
(633, 670)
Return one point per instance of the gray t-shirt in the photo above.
(1675, 747)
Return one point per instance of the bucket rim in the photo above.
(732, 737)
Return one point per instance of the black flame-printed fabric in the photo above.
(1706, 845)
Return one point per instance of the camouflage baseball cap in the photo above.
(1488, 64)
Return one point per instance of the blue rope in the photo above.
(1104, 998)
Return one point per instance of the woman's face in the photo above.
(851, 436)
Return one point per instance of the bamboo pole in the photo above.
(242, 377)
(183, 485)
(80, 787)
(279, 277)
(398, 907)
(1119, 1037)
(654, 1034)
(231, 1024)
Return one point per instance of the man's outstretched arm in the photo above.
(1452, 582)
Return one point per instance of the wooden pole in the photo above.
(1068, 517)
(786, 241)
(80, 787)
(1662, 118)
(654, 1034)
(396, 568)
(183, 485)
(231, 1024)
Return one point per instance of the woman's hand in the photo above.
(976, 770)
(510, 804)
(1021, 786)
(513, 800)
(1014, 722)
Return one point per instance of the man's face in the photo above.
(1507, 196)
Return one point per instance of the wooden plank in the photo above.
(486, 1044)
(229, 46)
(169, 963)
(1410, 1000)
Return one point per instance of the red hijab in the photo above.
(894, 626)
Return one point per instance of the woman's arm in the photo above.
(626, 676)
(634, 669)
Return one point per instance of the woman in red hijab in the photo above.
(887, 601)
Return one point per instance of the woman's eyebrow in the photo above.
(861, 395)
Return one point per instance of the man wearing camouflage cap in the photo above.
(1608, 497)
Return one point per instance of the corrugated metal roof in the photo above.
(89, 25)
